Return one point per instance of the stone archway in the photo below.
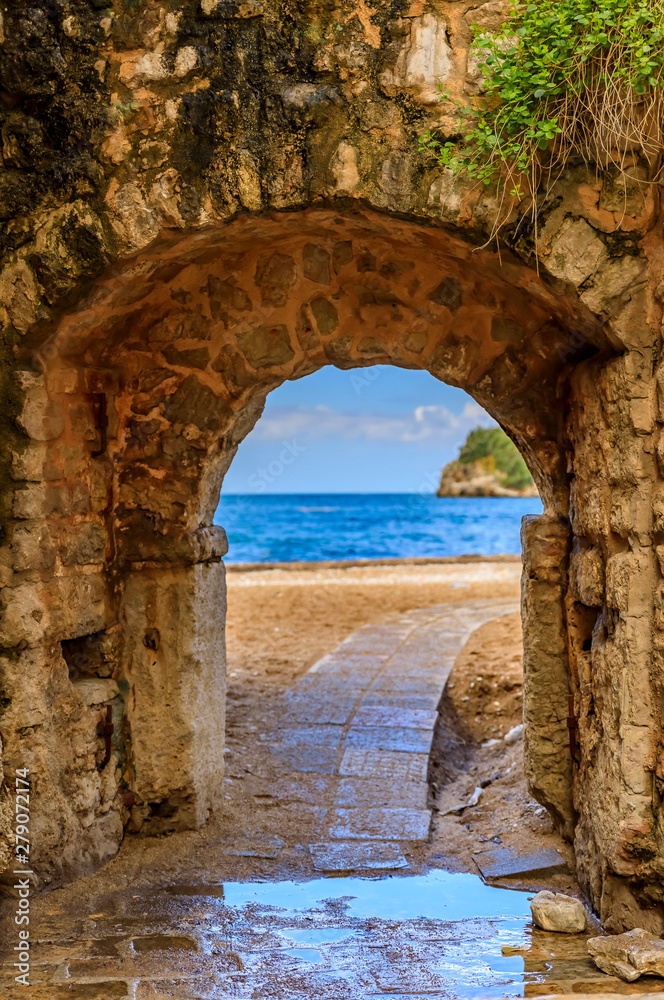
(145, 317)
(148, 384)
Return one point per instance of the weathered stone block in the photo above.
(587, 575)
(193, 402)
(631, 327)
(620, 910)
(33, 547)
(627, 584)
(631, 512)
(634, 758)
(175, 666)
(265, 346)
(576, 252)
(613, 279)
(344, 170)
(226, 297)
(60, 608)
(95, 690)
(38, 500)
(275, 276)
(247, 176)
(547, 758)
(489, 16)
(316, 264)
(28, 463)
(75, 818)
(448, 293)
(641, 415)
(82, 543)
(325, 314)
(422, 62)
(41, 418)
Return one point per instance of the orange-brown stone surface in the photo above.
(203, 200)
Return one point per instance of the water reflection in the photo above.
(439, 934)
(437, 895)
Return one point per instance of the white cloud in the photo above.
(430, 425)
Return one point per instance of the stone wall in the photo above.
(202, 200)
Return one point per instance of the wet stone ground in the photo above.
(327, 874)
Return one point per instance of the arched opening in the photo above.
(137, 400)
(336, 737)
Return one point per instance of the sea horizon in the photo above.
(318, 527)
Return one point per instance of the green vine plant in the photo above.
(562, 79)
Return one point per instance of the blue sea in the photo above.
(313, 527)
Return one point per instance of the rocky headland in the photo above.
(489, 465)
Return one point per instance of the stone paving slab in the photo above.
(375, 640)
(363, 792)
(305, 787)
(312, 686)
(402, 699)
(429, 657)
(389, 738)
(337, 663)
(506, 862)
(386, 765)
(320, 760)
(255, 847)
(329, 710)
(401, 718)
(381, 824)
(349, 857)
(425, 686)
(309, 736)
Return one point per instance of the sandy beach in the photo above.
(282, 620)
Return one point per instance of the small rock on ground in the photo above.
(557, 912)
(636, 953)
(514, 734)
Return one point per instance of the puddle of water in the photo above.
(437, 895)
(316, 935)
(437, 934)
(304, 954)
(395, 936)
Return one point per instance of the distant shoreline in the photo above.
(369, 563)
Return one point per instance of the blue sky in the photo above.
(369, 430)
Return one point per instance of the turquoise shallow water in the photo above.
(313, 527)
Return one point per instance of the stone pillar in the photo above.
(54, 596)
(548, 761)
(615, 581)
(174, 678)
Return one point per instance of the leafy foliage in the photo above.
(562, 77)
(492, 448)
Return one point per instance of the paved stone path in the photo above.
(365, 714)
(343, 758)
